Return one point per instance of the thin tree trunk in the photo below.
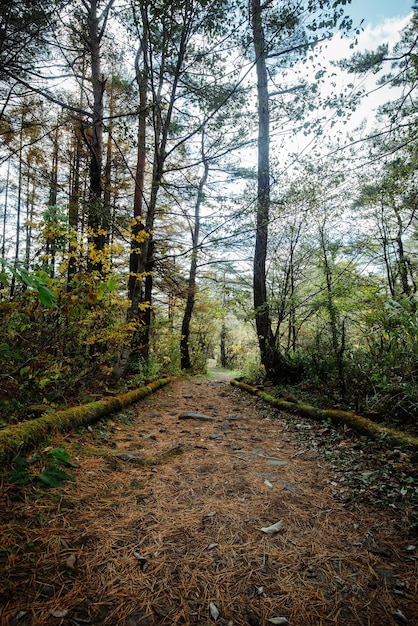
(18, 207)
(136, 261)
(73, 207)
(75, 188)
(96, 142)
(30, 206)
(53, 183)
(136, 266)
(223, 350)
(385, 240)
(161, 126)
(402, 258)
(110, 173)
(6, 201)
(186, 363)
(337, 338)
(52, 199)
(98, 221)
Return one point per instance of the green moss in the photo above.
(384, 435)
(27, 435)
(249, 388)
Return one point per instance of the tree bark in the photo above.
(73, 206)
(98, 221)
(402, 258)
(18, 205)
(270, 356)
(6, 203)
(52, 199)
(136, 261)
(186, 363)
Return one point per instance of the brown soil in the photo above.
(170, 532)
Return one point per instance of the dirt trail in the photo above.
(163, 526)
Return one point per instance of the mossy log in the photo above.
(383, 434)
(26, 435)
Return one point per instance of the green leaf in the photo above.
(4, 278)
(7, 353)
(46, 296)
(54, 477)
(19, 475)
(38, 284)
(62, 456)
(111, 284)
(20, 461)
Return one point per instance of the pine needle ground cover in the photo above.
(161, 521)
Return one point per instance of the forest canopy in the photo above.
(184, 181)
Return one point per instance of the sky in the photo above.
(383, 22)
(376, 11)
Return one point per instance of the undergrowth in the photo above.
(43, 467)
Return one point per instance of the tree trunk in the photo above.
(73, 207)
(98, 220)
(107, 186)
(387, 436)
(337, 338)
(270, 357)
(191, 286)
(6, 202)
(136, 264)
(19, 206)
(385, 247)
(402, 258)
(28, 434)
(30, 210)
(52, 201)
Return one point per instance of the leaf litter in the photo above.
(183, 545)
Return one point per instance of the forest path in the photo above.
(220, 374)
(163, 526)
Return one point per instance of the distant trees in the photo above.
(177, 67)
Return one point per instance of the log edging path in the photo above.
(363, 425)
(26, 435)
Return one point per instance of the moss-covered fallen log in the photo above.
(363, 425)
(26, 435)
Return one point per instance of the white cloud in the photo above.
(369, 39)
(386, 32)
